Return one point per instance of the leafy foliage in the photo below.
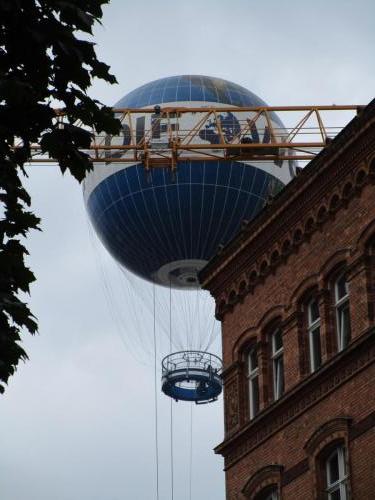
(43, 63)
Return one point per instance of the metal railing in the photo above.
(197, 360)
(161, 137)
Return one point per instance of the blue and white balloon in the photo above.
(165, 228)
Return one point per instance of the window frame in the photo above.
(277, 355)
(312, 326)
(268, 493)
(341, 304)
(341, 484)
(252, 376)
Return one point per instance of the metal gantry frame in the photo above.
(163, 136)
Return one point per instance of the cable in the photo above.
(172, 471)
(191, 450)
(156, 402)
(170, 317)
(171, 402)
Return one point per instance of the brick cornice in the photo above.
(324, 187)
(317, 386)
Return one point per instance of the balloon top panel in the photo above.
(192, 88)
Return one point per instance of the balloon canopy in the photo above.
(164, 227)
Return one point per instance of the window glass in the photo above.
(341, 288)
(253, 359)
(277, 340)
(253, 382)
(277, 364)
(268, 494)
(343, 319)
(314, 311)
(316, 353)
(256, 396)
(335, 495)
(333, 469)
(314, 335)
(279, 377)
(342, 312)
(336, 478)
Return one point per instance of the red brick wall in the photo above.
(278, 297)
(311, 264)
(286, 447)
(343, 387)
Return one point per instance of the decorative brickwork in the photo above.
(314, 244)
(298, 401)
(263, 478)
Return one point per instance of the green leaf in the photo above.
(41, 60)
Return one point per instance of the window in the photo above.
(342, 312)
(313, 321)
(268, 494)
(277, 364)
(264, 484)
(336, 476)
(253, 381)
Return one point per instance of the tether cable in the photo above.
(171, 401)
(156, 401)
(191, 450)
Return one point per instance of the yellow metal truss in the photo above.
(165, 139)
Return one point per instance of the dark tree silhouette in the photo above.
(43, 64)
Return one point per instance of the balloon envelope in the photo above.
(165, 228)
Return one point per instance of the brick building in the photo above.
(295, 292)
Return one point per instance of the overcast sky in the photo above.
(77, 420)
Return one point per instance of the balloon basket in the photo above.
(192, 376)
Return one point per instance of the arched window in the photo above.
(253, 381)
(313, 325)
(265, 484)
(336, 475)
(277, 354)
(327, 451)
(269, 493)
(343, 329)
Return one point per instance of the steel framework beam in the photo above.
(161, 137)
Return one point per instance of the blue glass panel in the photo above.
(210, 93)
(183, 173)
(169, 94)
(148, 223)
(224, 170)
(248, 179)
(157, 178)
(197, 93)
(204, 88)
(236, 175)
(158, 84)
(216, 219)
(156, 96)
(123, 185)
(238, 201)
(234, 98)
(172, 81)
(183, 93)
(259, 183)
(197, 172)
(210, 173)
(130, 103)
(197, 197)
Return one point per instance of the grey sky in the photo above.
(77, 420)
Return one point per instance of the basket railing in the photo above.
(197, 360)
